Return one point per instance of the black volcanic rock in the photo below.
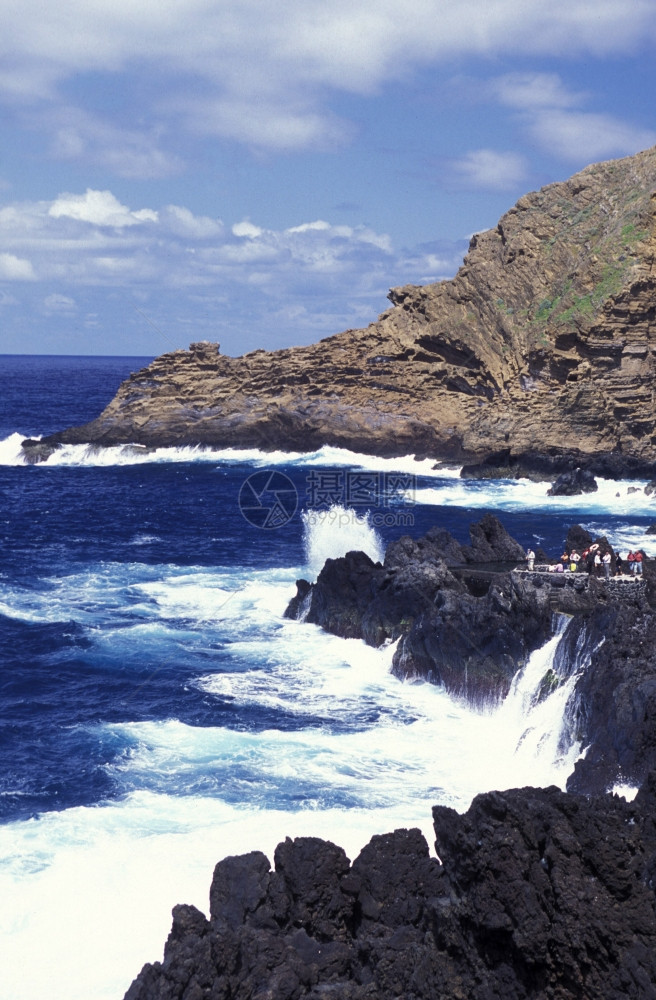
(570, 484)
(578, 539)
(537, 893)
(490, 542)
(461, 617)
(615, 695)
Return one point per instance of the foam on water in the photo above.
(331, 533)
(110, 875)
(135, 454)
(10, 450)
(523, 494)
(108, 878)
(625, 537)
(625, 791)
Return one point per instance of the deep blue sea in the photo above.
(157, 712)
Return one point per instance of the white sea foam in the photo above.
(625, 790)
(624, 537)
(135, 454)
(110, 875)
(331, 533)
(11, 452)
(612, 497)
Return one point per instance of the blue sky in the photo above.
(261, 174)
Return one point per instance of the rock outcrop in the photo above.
(462, 618)
(537, 893)
(539, 354)
(571, 484)
(615, 695)
(465, 620)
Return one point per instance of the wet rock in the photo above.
(571, 484)
(461, 618)
(615, 696)
(537, 893)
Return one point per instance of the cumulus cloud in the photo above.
(181, 222)
(83, 250)
(489, 169)
(14, 268)
(101, 208)
(247, 230)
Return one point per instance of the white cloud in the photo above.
(14, 268)
(585, 135)
(182, 222)
(261, 73)
(318, 226)
(259, 121)
(555, 118)
(247, 230)
(101, 208)
(83, 250)
(135, 154)
(530, 91)
(57, 303)
(489, 169)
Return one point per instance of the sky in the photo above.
(260, 174)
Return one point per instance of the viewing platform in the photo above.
(580, 579)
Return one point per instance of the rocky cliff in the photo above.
(540, 350)
(466, 621)
(536, 894)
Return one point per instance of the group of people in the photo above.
(594, 561)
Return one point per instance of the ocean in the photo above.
(158, 712)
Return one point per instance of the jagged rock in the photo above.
(491, 543)
(507, 359)
(536, 894)
(36, 451)
(578, 539)
(651, 530)
(615, 697)
(460, 621)
(570, 484)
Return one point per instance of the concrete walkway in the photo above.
(580, 577)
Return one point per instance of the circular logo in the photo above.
(268, 499)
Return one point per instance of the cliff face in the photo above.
(539, 894)
(544, 342)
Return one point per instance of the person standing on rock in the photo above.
(631, 561)
(607, 561)
(637, 563)
(619, 569)
(597, 563)
(574, 559)
(530, 559)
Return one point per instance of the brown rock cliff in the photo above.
(544, 342)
